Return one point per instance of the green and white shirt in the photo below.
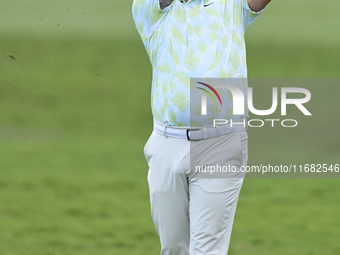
(198, 38)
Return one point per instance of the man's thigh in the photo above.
(214, 196)
(169, 196)
(212, 209)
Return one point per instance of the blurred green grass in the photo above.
(75, 114)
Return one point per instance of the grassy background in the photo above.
(75, 115)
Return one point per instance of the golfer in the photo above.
(192, 212)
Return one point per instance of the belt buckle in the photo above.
(192, 129)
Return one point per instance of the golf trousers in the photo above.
(193, 215)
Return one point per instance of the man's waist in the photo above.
(200, 133)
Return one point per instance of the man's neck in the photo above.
(165, 3)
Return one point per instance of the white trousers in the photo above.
(193, 215)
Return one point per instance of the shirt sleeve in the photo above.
(249, 16)
(147, 15)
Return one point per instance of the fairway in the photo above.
(75, 115)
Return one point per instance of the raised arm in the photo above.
(257, 5)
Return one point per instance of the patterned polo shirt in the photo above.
(194, 39)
